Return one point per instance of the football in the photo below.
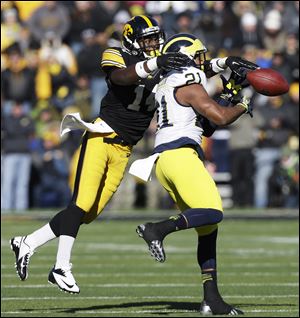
(268, 82)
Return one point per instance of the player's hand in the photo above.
(238, 65)
(172, 61)
(246, 103)
(230, 86)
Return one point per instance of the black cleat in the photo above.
(23, 253)
(218, 308)
(153, 239)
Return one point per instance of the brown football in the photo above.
(268, 82)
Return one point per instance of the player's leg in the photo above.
(25, 246)
(118, 159)
(194, 191)
(98, 177)
(89, 182)
(213, 302)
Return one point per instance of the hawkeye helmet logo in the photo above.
(127, 30)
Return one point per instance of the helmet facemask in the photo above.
(150, 45)
(196, 52)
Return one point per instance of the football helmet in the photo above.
(143, 36)
(188, 45)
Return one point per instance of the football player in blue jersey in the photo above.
(185, 114)
(126, 111)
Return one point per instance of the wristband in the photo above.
(140, 70)
(152, 64)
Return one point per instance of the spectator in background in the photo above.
(274, 130)
(114, 31)
(52, 189)
(292, 54)
(18, 129)
(292, 108)
(88, 15)
(241, 144)
(184, 23)
(55, 84)
(274, 35)
(18, 82)
(88, 66)
(53, 47)
(249, 33)
(10, 28)
(27, 8)
(280, 64)
(284, 182)
(82, 98)
(218, 24)
(51, 17)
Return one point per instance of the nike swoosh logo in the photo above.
(70, 286)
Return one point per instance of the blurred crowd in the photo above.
(50, 66)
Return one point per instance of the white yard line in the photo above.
(174, 264)
(158, 285)
(153, 274)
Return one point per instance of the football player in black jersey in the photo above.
(128, 107)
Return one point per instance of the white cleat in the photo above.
(64, 279)
(23, 252)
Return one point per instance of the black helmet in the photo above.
(188, 45)
(136, 30)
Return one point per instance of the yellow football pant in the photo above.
(184, 176)
(100, 169)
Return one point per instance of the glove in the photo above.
(172, 61)
(240, 66)
(230, 87)
(245, 102)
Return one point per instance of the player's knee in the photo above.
(206, 229)
(217, 215)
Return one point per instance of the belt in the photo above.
(116, 140)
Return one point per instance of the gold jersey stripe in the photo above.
(112, 57)
(113, 51)
(111, 63)
(147, 20)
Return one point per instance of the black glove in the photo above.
(172, 61)
(234, 84)
(239, 66)
(231, 89)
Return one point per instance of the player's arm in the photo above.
(196, 96)
(140, 70)
(236, 64)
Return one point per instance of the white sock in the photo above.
(65, 245)
(40, 237)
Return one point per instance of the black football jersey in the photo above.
(127, 109)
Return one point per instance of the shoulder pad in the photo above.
(112, 57)
(186, 76)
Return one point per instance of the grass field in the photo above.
(258, 272)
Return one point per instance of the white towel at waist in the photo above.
(142, 168)
(73, 121)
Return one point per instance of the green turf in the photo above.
(257, 262)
